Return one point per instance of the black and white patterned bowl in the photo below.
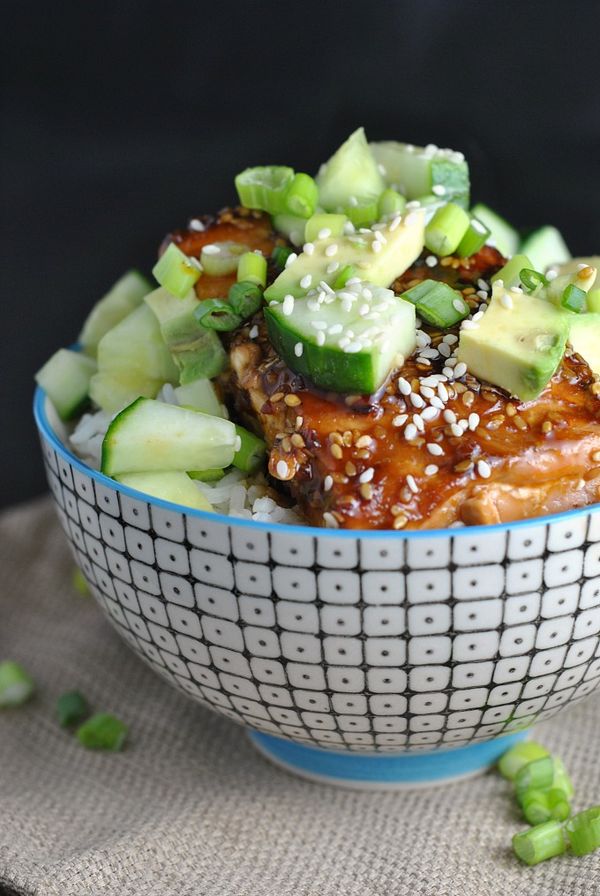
(357, 657)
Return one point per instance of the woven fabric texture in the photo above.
(190, 809)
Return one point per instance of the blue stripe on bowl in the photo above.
(384, 769)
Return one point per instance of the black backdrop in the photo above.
(122, 119)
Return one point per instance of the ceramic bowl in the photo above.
(363, 658)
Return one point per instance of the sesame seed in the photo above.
(291, 259)
(431, 261)
(324, 233)
(469, 325)
(306, 281)
(450, 339)
(442, 392)
(418, 421)
(309, 248)
(484, 469)
(460, 369)
(417, 401)
(459, 305)
(447, 371)
(473, 422)
(318, 324)
(435, 449)
(404, 386)
(481, 294)
(376, 246)
(332, 267)
(395, 223)
(551, 274)
(330, 521)
(282, 469)
(327, 484)
(292, 401)
(429, 413)
(506, 301)
(211, 249)
(196, 225)
(410, 432)
(449, 416)
(335, 329)
(253, 332)
(330, 251)
(437, 403)
(353, 348)
(547, 427)
(431, 470)
(399, 419)
(410, 481)
(444, 350)
(288, 305)
(363, 441)
(350, 469)
(456, 430)
(320, 338)
(298, 349)
(400, 521)
(482, 285)
(366, 490)
(411, 219)
(438, 190)
(336, 451)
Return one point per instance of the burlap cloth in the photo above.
(190, 808)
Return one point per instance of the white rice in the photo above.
(236, 494)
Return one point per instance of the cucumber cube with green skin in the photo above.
(510, 273)
(153, 437)
(378, 260)
(503, 236)
(351, 172)
(518, 344)
(173, 486)
(545, 247)
(126, 294)
(200, 395)
(65, 378)
(196, 351)
(317, 344)
(585, 338)
(133, 360)
(416, 171)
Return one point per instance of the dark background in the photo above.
(121, 120)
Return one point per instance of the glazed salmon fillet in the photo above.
(435, 447)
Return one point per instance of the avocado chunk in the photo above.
(196, 351)
(350, 172)
(545, 247)
(349, 342)
(379, 256)
(518, 344)
(585, 338)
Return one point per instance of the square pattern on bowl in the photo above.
(366, 644)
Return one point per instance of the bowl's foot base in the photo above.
(383, 771)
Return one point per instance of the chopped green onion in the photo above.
(519, 756)
(264, 187)
(302, 196)
(215, 314)
(322, 225)
(437, 303)
(245, 298)
(252, 268)
(16, 685)
(390, 203)
(206, 475)
(79, 582)
(71, 708)
(446, 229)
(542, 842)
(176, 271)
(541, 774)
(583, 831)
(574, 299)
(545, 805)
(251, 453)
(510, 273)
(221, 259)
(280, 255)
(347, 273)
(533, 281)
(102, 732)
(364, 213)
(476, 236)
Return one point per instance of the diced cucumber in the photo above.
(505, 237)
(121, 299)
(196, 350)
(416, 171)
(583, 278)
(585, 338)
(593, 300)
(133, 360)
(171, 486)
(291, 226)
(200, 395)
(379, 257)
(510, 273)
(65, 378)
(150, 436)
(350, 172)
(317, 343)
(545, 247)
